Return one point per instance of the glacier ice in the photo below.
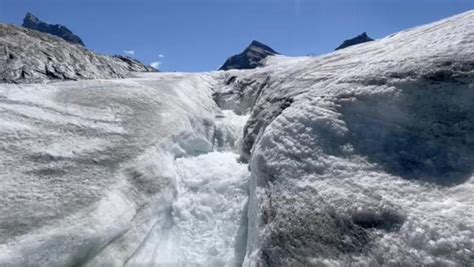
(360, 157)
(96, 164)
(364, 156)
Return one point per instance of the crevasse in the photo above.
(204, 220)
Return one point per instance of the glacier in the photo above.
(360, 157)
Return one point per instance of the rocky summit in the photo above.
(28, 56)
(32, 22)
(250, 58)
(359, 39)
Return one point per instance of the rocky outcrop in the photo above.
(250, 58)
(359, 39)
(28, 56)
(32, 22)
(134, 65)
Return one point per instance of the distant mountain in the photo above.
(362, 38)
(28, 56)
(32, 22)
(250, 58)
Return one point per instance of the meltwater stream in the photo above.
(205, 217)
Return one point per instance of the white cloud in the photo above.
(129, 52)
(155, 64)
(161, 56)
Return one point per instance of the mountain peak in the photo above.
(30, 17)
(256, 43)
(361, 38)
(34, 23)
(263, 46)
(250, 58)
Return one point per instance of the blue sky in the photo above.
(198, 35)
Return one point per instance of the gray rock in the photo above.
(32, 22)
(134, 65)
(28, 56)
(250, 58)
(359, 39)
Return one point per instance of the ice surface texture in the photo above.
(88, 167)
(363, 156)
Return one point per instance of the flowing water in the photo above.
(206, 215)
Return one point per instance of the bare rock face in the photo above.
(133, 64)
(250, 58)
(28, 56)
(32, 22)
(359, 39)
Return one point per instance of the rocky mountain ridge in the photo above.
(359, 39)
(32, 22)
(30, 56)
(250, 58)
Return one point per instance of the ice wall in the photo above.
(363, 156)
(97, 164)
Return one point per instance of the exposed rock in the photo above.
(250, 58)
(135, 65)
(362, 38)
(28, 56)
(32, 22)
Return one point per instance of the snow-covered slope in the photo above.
(362, 156)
